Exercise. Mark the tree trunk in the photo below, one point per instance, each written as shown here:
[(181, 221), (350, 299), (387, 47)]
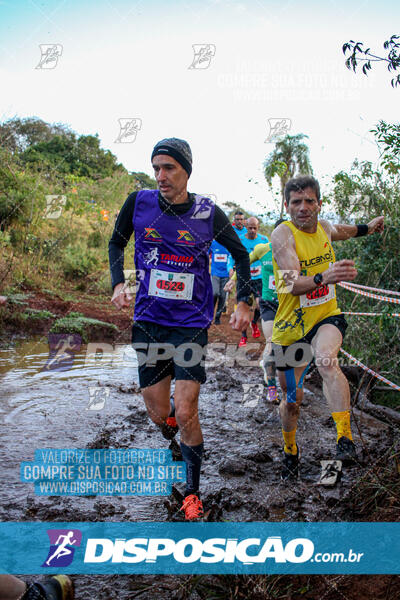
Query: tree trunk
[(384, 413), (283, 183)]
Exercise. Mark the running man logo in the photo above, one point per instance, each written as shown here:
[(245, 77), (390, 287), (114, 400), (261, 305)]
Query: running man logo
[(97, 397), (61, 552), (62, 349), (152, 235), (50, 53), (133, 277), (203, 53), (252, 394), (185, 237), (202, 209), (286, 279), (128, 129), (54, 206), (151, 257), (278, 128)]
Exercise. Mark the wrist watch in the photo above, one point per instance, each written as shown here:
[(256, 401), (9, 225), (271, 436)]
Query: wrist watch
[(318, 279)]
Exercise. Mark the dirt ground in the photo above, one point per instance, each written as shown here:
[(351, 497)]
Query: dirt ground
[(240, 472)]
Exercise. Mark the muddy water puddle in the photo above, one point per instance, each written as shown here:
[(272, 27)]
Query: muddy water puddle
[(241, 470)]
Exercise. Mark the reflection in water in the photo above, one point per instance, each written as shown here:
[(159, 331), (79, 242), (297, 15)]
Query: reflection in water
[(88, 405), (31, 382)]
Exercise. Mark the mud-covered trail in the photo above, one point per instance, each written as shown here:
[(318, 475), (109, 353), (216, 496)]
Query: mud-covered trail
[(241, 467)]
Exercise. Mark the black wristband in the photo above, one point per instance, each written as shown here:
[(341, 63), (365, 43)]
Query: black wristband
[(361, 230), (247, 299)]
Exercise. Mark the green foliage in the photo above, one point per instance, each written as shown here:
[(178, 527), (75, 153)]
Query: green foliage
[(357, 54), (365, 193), (85, 327), (16, 135), (95, 239), (290, 157), (18, 299), (77, 264), (5, 239), (33, 314), (69, 154), (388, 137), (144, 182), (19, 191)]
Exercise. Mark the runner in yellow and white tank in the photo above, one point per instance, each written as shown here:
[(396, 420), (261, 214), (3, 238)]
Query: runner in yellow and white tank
[(309, 323)]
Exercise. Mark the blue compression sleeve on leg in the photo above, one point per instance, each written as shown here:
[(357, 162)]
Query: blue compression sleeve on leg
[(290, 386), (304, 373)]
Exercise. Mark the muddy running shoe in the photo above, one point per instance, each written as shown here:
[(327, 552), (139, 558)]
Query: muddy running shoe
[(193, 508), (272, 393), (170, 428), (255, 331), (59, 587), (346, 451), (290, 467), (243, 341)]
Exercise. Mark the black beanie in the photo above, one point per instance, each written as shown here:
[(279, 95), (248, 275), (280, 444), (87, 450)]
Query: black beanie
[(178, 149)]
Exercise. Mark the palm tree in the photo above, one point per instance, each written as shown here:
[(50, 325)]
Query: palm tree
[(289, 158)]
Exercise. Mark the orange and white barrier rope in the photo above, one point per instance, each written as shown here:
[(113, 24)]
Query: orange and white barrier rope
[(349, 287), (358, 289), (372, 314), (370, 371), (372, 289)]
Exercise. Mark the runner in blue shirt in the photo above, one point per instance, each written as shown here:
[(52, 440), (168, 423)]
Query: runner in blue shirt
[(238, 224), (219, 277), (250, 241)]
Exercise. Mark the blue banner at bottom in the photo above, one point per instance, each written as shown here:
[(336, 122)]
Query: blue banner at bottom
[(186, 548)]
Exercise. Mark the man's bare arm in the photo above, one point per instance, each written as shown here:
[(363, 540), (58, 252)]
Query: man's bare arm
[(289, 278), (345, 232)]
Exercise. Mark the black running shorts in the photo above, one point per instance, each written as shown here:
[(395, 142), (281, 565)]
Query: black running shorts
[(268, 309), (163, 351), (303, 354)]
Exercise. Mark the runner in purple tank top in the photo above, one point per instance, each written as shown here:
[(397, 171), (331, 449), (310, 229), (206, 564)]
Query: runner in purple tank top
[(173, 232)]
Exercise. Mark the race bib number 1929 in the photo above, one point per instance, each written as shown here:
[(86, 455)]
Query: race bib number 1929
[(172, 286)]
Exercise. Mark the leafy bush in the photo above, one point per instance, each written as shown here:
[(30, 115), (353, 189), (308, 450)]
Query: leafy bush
[(365, 193), (77, 264), (85, 327), (95, 240)]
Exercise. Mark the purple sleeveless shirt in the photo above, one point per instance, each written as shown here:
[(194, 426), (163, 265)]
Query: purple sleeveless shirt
[(172, 263)]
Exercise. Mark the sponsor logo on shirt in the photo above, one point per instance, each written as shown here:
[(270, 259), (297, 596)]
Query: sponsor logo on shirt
[(176, 259), (316, 260), (152, 235), (185, 237)]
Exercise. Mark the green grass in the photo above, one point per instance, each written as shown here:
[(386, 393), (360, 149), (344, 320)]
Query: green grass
[(83, 326), (36, 314)]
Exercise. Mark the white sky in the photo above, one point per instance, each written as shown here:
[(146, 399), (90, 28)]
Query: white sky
[(273, 60)]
